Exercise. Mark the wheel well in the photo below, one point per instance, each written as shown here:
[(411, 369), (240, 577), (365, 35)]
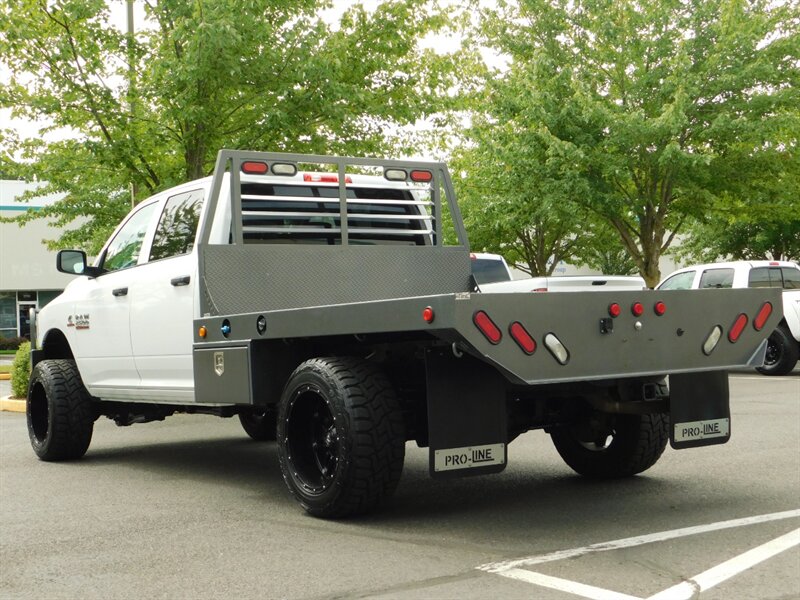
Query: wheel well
[(55, 345)]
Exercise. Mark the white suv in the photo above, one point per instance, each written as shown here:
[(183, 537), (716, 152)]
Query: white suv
[(783, 350)]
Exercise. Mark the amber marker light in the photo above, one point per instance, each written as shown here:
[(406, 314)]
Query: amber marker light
[(202, 332)]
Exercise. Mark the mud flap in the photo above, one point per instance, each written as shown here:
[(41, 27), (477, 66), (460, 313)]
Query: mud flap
[(467, 427), (700, 413)]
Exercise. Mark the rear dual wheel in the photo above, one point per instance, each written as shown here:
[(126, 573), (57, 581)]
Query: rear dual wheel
[(613, 446), (341, 436), (260, 424)]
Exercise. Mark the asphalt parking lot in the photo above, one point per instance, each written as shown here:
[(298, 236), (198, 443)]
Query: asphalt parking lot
[(191, 508)]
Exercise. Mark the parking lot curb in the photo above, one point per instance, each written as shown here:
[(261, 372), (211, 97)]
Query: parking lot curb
[(10, 405), (5, 376)]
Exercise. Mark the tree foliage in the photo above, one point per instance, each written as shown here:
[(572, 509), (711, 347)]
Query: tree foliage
[(148, 112), (650, 113)]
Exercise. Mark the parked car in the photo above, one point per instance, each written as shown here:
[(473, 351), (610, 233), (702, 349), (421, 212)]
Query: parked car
[(783, 350), (492, 274)]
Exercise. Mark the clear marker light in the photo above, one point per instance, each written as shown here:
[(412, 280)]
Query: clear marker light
[(556, 348), (712, 340)]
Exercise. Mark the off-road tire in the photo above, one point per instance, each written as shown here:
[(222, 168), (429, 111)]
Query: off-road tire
[(782, 353), (260, 424), (636, 444), (60, 412), (341, 436)]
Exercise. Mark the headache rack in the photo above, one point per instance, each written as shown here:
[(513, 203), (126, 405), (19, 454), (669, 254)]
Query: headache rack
[(338, 209), (331, 236), (300, 212)]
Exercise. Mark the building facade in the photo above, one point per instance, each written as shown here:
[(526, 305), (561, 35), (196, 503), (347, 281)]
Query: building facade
[(28, 276)]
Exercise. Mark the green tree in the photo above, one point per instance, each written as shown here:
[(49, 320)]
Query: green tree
[(512, 201), (662, 110), (763, 222), (144, 113)]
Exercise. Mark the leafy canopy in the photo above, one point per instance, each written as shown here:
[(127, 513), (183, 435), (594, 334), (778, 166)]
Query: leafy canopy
[(148, 112), (648, 113)]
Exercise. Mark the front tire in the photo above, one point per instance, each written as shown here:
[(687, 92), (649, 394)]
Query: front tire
[(341, 436), (782, 353), (613, 446), (60, 411)]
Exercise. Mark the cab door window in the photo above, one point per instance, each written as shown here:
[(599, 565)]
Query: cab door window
[(716, 279), (765, 277), (123, 251), (679, 281), (177, 226)]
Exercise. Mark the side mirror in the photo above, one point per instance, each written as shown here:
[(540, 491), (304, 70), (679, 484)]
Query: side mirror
[(73, 262)]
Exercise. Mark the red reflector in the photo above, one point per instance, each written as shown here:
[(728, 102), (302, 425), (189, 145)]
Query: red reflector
[(487, 327), (323, 178), (522, 337), (737, 328), (762, 316), (427, 314), (637, 309), (660, 308), (421, 176), (252, 167), (614, 309)]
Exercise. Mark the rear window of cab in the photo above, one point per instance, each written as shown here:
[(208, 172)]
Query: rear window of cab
[(787, 278)]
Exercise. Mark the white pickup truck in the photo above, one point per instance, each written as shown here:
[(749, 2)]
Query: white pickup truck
[(314, 298), (783, 348), (492, 274)]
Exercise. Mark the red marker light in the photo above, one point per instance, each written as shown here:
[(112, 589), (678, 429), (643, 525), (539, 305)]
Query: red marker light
[(614, 310), (763, 314), (487, 327), (325, 178), (252, 167), (421, 176), (660, 308), (737, 328), (637, 308), (524, 340), (427, 314)]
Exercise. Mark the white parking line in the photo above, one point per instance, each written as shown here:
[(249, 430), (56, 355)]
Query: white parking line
[(565, 585), (716, 575), (684, 590)]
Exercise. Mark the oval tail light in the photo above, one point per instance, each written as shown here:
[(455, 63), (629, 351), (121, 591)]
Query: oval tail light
[(523, 339), (737, 328), (763, 315), (487, 327)]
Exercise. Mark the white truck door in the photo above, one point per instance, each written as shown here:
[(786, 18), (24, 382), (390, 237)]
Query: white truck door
[(101, 313), (163, 302)]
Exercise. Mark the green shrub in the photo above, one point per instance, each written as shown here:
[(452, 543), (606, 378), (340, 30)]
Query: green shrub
[(21, 371), (11, 343)]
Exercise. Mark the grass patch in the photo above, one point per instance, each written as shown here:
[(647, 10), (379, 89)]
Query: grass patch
[(5, 368), (7, 352)]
